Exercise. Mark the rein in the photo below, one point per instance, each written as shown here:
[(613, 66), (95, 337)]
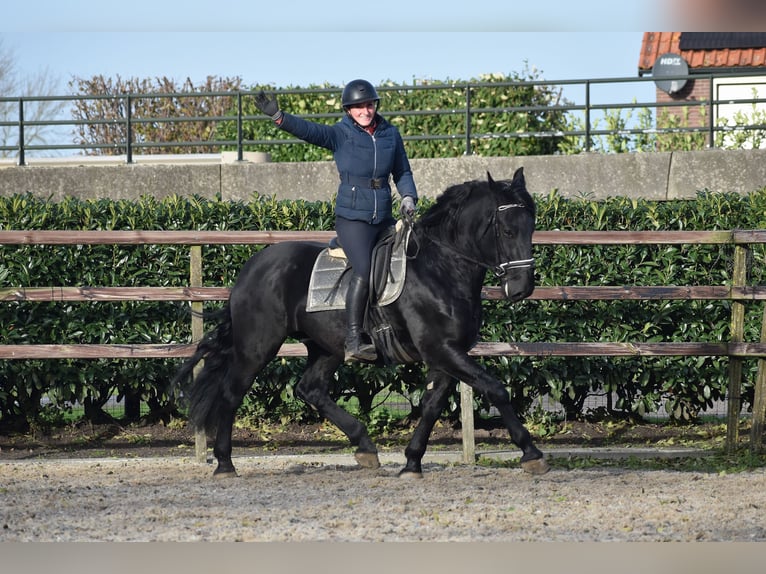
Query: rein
[(500, 269)]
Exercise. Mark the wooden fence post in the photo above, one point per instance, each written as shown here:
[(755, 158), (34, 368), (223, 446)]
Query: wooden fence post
[(466, 421), (197, 329), (759, 402), (734, 404)]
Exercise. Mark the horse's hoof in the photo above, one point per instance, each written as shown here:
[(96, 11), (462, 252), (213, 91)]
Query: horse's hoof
[(537, 466), (409, 474), (367, 459), (225, 473)]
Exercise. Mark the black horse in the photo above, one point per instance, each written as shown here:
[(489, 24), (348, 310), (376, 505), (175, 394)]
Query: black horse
[(471, 228)]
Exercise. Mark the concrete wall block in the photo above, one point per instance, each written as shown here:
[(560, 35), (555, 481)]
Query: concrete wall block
[(310, 181), (115, 182), (740, 171), (655, 176)]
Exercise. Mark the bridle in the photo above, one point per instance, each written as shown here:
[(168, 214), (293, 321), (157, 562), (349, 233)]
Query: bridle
[(500, 269)]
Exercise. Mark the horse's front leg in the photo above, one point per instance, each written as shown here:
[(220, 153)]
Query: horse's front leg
[(467, 370), (433, 403), (532, 460)]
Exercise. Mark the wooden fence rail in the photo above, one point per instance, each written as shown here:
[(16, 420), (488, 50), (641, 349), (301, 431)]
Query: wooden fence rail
[(737, 350)]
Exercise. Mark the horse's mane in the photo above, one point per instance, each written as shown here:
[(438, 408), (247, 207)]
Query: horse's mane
[(448, 204)]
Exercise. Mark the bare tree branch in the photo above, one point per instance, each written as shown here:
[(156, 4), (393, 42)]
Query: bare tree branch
[(41, 84), (102, 121)]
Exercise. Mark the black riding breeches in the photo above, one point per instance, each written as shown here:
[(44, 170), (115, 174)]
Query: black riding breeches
[(358, 238)]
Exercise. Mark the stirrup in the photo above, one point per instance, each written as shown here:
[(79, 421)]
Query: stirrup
[(362, 352)]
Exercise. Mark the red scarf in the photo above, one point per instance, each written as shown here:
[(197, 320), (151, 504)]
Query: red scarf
[(371, 128)]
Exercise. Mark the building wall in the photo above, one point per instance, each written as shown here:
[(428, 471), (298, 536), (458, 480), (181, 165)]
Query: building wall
[(724, 89), (689, 116)]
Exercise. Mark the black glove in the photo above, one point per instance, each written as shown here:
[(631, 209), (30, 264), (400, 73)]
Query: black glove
[(407, 208), (268, 106)]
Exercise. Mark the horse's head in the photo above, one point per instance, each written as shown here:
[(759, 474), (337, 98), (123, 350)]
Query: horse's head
[(489, 224), (510, 229)]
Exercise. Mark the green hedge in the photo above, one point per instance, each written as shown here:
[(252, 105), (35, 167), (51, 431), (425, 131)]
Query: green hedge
[(35, 391)]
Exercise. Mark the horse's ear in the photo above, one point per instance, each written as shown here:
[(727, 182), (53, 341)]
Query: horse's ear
[(489, 178), (518, 176)]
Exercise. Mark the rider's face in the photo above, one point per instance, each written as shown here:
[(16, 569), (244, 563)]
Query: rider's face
[(364, 113)]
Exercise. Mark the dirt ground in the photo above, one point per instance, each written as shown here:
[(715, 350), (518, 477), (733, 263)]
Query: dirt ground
[(301, 484)]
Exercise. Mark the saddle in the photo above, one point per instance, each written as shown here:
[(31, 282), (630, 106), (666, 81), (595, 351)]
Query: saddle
[(329, 278)]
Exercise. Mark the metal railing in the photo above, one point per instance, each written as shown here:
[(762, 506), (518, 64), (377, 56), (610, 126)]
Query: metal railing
[(583, 118)]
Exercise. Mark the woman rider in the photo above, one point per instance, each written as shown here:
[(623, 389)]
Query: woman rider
[(368, 153)]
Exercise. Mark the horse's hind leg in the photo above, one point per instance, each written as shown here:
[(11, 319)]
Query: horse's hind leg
[(313, 388), (240, 376), (433, 403)]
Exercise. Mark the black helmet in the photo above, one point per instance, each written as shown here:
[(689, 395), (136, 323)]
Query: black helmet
[(359, 92)]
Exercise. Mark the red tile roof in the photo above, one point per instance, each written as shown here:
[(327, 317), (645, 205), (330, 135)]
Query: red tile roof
[(655, 44)]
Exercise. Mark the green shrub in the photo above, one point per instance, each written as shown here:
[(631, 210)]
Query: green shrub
[(494, 110), (684, 387)]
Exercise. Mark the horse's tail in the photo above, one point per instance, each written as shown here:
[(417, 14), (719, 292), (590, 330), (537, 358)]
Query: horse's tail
[(203, 395)]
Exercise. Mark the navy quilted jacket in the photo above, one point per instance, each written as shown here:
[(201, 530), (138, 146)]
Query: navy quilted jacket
[(365, 163)]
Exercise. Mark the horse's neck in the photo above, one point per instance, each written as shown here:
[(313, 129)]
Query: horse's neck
[(464, 278)]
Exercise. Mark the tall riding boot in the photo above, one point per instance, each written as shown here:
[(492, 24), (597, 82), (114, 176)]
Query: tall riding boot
[(356, 303)]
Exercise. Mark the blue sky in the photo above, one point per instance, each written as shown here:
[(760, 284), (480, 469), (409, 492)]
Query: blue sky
[(305, 58), (298, 43), (330, 15)]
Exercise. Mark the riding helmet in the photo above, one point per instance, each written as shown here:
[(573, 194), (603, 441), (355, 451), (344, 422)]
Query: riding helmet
[(359, 92)]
